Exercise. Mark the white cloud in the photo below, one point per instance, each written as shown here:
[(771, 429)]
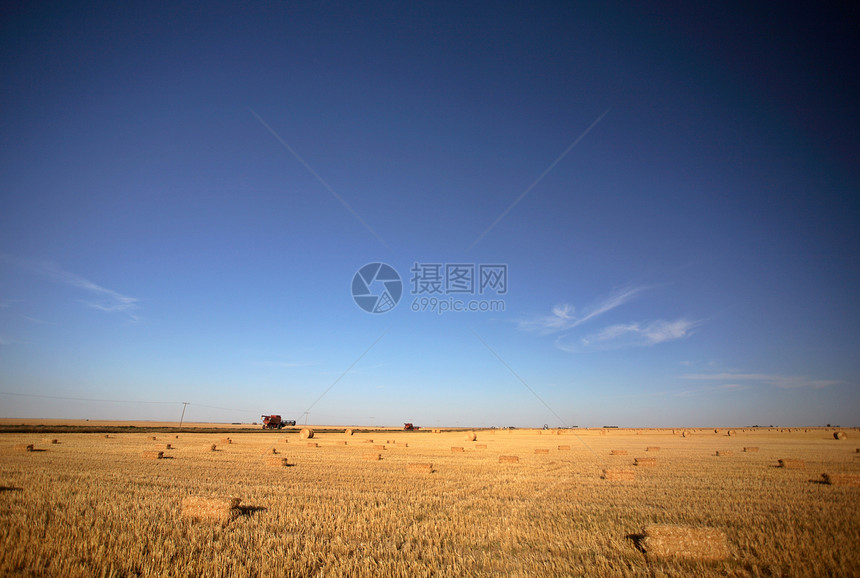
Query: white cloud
[(101, 298), (630, 335), (563, 316), (774, 380)]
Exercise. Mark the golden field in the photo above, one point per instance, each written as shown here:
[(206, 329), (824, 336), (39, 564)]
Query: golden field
[(96, 506)]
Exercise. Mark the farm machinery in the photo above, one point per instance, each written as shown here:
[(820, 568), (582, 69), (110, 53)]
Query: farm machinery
[(410, 427), (275, 422)]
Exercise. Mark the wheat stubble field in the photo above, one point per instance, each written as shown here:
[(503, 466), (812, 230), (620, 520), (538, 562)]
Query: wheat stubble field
[(394, 503)]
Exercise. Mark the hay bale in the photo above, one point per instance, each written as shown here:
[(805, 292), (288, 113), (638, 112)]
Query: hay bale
[(841, 479), (685, 434), (368, 441), (153, 455), (313, 445), (379, 447), (685, 542), (168, 447), (645, 461), (652, 449), (839, 435), (456, 449), (724, 453), (213, 448), (372, 457), (731, 432), (422, 468), (618, 452), (471, 436), (541, 451), (480, 446), (306, 433), (563, 448), (25, 448), (50, 441), (204, 509), (347, 432), (154, 438), (226, 441), (277, 462), (340, 443), (107, 436), (750, 449), (792, 464), (612, 474), (509, 459)]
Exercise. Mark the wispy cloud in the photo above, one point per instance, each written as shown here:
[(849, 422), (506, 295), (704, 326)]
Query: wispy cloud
[(565, 317), (630, 335), (774, 380), (100, 298)]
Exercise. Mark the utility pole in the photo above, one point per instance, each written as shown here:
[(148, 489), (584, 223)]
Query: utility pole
[(184, 405)]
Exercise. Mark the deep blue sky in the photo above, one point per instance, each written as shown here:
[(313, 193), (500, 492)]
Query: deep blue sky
[(187, 195)]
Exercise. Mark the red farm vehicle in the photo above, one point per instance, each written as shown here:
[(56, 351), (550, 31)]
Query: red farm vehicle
[(275, 422), (410, 427)]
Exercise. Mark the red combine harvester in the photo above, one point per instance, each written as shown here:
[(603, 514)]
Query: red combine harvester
[(275, 422), (410, 427)]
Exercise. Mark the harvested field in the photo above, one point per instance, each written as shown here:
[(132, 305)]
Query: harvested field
[(90, 507), (792, 464)]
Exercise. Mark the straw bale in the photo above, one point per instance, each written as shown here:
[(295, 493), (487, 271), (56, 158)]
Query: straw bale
[(210, 509), (50, 441), (313, 445), (564, 448), (724, 453), (347, 432), (652, 449), (379, 447), (618, 452), (471, 436), (644, 461), (480, 446), (277, 462), (168, 447), (372, 457), (306, 433), (792, 464), (541, 451), (751, 449), (226, 441), (731, 432), (839, 435), (340, 443), (841, 479), (613, 474), (423, 468), (685, 542), (213, 447), (509, 459), (25, 448), (153, 455), (456, 449)]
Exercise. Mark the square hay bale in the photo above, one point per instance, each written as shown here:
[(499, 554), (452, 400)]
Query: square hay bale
[(226, 441), (665, 541), (652, 449), (723, 453), (154, 438), (25, 448), (644, 461), (153, 455), (792, 464), (612, 474), (618, 452), (372, 457), (213, 448), (379, 447), (841, 479), (541, 451), (509, 459), (368, 441), (422, 468), (457, 449), (313, 445), (750, 449), (204, 509), (277, 462), (50, 441), (564, 448), (168, 447), (340, 443)]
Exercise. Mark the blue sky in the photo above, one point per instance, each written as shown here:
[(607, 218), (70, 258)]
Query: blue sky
[(187, 195)]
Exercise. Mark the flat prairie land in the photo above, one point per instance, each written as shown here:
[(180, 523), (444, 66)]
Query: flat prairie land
[(395, 503)]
